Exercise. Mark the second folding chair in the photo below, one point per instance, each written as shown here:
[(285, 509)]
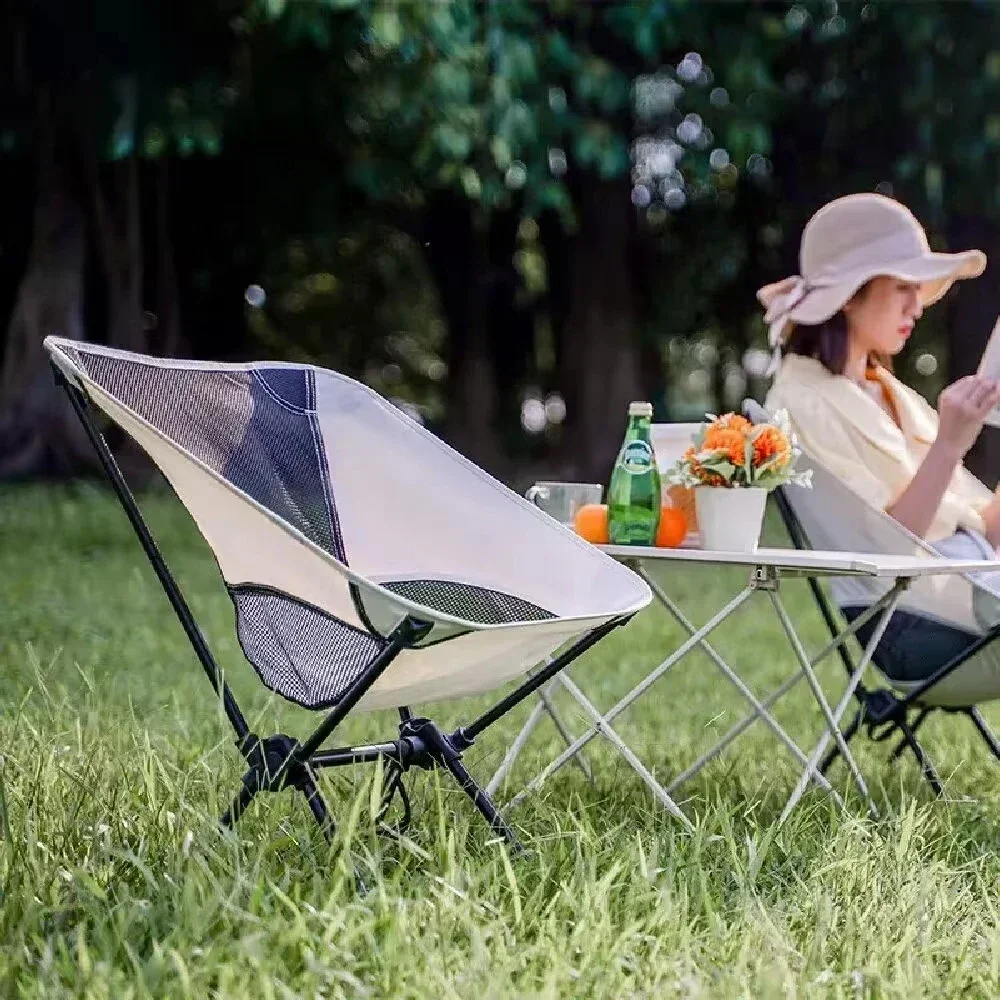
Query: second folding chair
[(959, 614)]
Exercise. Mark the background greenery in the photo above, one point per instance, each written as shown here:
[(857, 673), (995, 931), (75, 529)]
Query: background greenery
[(512, 217)]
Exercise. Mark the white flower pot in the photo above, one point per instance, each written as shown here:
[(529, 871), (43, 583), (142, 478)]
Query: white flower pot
[(730, 520)]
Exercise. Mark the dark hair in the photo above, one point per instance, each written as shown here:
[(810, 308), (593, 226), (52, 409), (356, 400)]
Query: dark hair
[(827, 341)]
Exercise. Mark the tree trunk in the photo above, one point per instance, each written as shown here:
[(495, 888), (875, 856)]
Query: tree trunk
[(118, 223), (510, 325), (557, 245), (457, 258), (974, 309), (599, 357), (170, 342), (39, 433)]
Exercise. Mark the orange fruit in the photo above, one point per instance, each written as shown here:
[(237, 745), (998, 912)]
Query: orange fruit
[(591, 523), (673, 528), (682, 498)]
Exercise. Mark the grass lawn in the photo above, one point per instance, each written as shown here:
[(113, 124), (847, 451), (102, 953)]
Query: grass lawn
[(116, 881)]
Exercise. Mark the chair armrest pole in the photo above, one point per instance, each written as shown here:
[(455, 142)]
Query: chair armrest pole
[(405, 634)]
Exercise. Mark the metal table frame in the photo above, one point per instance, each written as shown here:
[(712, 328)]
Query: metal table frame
[(767, 569)]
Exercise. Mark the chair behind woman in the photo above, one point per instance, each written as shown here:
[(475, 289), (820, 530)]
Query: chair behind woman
[(954, 617)]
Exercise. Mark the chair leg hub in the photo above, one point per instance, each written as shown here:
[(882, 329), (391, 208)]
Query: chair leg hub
[(430, 747), (273, 767)]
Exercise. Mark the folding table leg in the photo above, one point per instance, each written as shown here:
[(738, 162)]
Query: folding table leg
[(637, 765), (734, 678), (849, 734), (544, 704), (546, 698), (736, 731), (889, 603), (833, 722), (769, 702), (651, 678), (516, 747)]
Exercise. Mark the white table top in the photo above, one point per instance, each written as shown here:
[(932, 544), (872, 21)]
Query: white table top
[(809, 562)]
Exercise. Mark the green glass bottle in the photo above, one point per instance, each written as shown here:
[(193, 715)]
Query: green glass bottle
[(634, 491)]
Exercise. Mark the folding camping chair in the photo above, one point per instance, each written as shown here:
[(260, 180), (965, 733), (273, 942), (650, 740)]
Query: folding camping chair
[(831, 516), (370, 566)]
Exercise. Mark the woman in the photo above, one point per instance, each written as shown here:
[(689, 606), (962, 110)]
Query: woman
[(867, 275)]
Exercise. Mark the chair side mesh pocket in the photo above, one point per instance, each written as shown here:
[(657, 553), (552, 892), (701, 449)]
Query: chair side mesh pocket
[(302, 653)]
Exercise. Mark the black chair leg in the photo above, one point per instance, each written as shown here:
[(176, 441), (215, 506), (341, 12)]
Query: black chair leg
[(251, 786), (481, 800), (317, 804), (985, 731), (927, 768), (902, 746), (849, 733)]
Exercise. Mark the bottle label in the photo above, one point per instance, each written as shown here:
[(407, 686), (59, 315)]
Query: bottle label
[(637, 457)]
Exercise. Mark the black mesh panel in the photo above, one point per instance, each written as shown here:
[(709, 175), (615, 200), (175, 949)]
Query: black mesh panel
[(299, 651), (280, 463), (204, 411), (473, 604), (257, 429)]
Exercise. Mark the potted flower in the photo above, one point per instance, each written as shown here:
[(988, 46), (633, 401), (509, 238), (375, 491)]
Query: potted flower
[(732, 465)]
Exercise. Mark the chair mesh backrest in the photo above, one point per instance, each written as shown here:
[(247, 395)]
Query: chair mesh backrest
[(835, 518), (393, 513), (256, 428)]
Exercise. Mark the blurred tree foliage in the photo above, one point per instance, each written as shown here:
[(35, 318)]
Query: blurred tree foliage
[(501, 213), (97, 98)]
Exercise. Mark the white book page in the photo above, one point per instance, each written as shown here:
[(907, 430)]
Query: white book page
[(989, 365)]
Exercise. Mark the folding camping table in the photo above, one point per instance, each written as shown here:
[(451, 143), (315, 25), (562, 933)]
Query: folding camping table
[(768, 567)]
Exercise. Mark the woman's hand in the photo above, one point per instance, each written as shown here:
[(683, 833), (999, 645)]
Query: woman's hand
[(962, 408)]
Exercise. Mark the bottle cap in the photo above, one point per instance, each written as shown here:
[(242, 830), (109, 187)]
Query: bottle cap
[(640, 409)]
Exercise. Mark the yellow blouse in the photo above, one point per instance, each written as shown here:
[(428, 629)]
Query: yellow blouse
[(847, 430)]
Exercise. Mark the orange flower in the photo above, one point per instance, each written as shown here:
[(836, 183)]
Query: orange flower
[(771, 442), (708, 478), (734, 421), (727, 439)]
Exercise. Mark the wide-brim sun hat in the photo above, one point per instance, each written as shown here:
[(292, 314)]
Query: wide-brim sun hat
[(848, 242)]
